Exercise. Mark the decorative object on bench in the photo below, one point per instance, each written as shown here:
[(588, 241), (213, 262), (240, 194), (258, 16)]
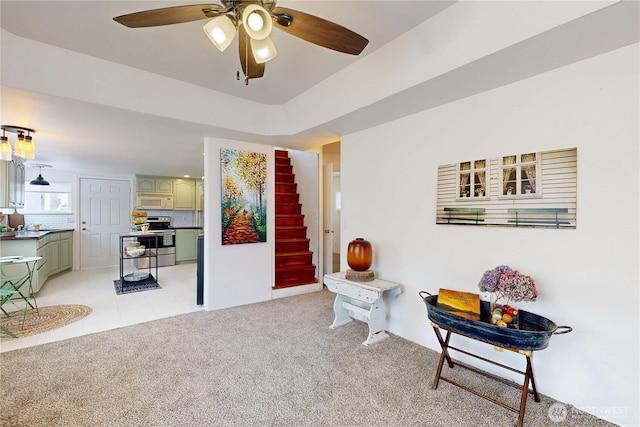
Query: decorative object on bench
[(534, 335), (504, 282), (465, 304), (359, 258)]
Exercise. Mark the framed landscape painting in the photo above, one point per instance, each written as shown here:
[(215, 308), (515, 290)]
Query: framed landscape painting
[(244, 200)]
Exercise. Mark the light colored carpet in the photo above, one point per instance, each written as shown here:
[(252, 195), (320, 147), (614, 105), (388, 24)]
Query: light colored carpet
[(270, 364), (42, 320)]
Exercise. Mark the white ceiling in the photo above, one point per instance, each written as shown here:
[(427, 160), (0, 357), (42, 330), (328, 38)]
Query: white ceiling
[(183, 52), (77, 135)]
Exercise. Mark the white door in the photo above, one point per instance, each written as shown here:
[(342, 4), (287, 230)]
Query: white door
[(105, 211), (328, 204)]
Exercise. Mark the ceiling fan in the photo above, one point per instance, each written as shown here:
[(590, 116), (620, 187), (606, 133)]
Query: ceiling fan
[(253, 20)]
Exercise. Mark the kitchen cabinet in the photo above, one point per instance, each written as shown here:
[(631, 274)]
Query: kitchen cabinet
[(42, 267), (184, 194), (55, 248), (200, 195), (66, 254), (53, 256), (12, 183), (154, 184), (186, 245)]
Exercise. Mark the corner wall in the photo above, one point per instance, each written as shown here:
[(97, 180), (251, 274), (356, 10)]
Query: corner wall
[(234, 274), (587, 278)]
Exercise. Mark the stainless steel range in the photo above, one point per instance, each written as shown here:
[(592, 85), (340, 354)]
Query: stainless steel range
[(166, 240)]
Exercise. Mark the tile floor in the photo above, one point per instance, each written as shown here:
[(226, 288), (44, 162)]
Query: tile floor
[(94, 288)]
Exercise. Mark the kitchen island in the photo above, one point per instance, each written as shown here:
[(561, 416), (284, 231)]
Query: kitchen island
[(54, 246)]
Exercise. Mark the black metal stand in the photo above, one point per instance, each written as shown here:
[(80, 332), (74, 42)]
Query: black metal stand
[(149, 254), (528, 374)]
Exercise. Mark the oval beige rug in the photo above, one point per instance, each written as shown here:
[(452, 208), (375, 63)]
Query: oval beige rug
[(42, 320)]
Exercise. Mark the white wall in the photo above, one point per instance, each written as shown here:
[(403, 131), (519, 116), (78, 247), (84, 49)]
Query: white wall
[(234, 274), (587, 278), (244, 274)]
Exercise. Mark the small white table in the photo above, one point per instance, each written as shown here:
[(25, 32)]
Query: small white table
[(371, 302)]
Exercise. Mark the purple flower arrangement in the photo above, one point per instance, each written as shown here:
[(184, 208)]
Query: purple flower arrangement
[(508, 283), (491, 278)]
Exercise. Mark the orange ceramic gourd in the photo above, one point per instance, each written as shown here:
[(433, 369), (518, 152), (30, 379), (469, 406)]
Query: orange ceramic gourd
[(359, 254)]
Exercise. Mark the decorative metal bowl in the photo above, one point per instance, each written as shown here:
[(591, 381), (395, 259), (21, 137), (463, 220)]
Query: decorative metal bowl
[(533, 334)]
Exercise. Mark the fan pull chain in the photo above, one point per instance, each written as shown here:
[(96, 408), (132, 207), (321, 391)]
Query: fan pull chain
[(246, 58)]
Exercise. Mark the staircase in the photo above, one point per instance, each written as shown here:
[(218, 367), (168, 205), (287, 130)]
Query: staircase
[(293, 257)]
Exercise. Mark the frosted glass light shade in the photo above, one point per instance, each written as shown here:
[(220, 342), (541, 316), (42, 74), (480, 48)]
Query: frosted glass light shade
[(5, 149), (263, 50), (220, 31), (19, 145), (257, 22), (28, 148)]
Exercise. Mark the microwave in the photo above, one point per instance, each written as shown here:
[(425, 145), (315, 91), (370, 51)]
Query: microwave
[(155, 201)]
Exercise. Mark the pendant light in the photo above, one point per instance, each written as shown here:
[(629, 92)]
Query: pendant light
[(40, 180)]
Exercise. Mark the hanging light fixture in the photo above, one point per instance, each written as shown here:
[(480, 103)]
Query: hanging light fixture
[(40, 180), (23, 147)]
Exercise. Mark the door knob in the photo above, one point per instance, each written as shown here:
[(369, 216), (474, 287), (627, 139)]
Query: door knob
[(83, 229)]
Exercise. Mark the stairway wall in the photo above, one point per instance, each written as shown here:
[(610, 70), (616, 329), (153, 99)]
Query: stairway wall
[(293, 257)]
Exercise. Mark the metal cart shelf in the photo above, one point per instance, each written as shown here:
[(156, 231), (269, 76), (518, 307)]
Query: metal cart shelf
[(141, 273)]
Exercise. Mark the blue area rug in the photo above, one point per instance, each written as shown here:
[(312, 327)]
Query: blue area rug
[(138, 286)]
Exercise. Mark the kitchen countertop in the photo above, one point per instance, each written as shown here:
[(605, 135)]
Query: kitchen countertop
[(186, 228), (25, 235)]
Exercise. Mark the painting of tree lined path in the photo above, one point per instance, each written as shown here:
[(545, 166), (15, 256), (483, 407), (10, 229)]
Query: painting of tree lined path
[(244, 201)]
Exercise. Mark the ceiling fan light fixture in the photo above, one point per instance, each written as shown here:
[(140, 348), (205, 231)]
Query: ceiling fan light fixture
[(220, 31), (263, 50), (257, 22)]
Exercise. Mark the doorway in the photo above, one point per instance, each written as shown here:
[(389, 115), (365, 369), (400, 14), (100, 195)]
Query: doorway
[(332, 204), (105, 207)]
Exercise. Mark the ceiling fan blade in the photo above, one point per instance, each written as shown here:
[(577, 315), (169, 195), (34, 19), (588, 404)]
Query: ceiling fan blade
[(319, 31), (170, 15), (250, 67)]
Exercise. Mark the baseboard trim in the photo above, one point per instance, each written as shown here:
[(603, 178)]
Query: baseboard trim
[(295, 290)]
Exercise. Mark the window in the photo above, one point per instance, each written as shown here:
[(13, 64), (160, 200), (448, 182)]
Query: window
[(54, 198), (472, 179), (518, 175)]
